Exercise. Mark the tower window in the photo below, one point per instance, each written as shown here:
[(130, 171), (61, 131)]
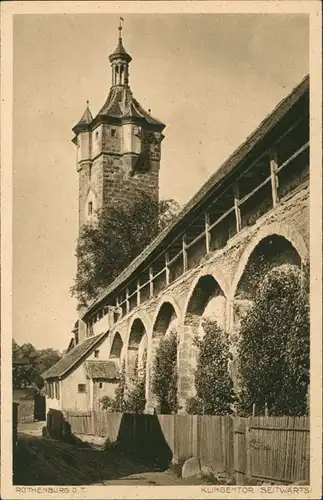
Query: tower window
[(101, 385), (97, 134), (90, 208), (96, 353), (113, 132), (81, 388)]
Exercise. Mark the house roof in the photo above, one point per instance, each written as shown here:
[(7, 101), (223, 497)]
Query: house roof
[(102, 369), (72, 357), (266, 126)]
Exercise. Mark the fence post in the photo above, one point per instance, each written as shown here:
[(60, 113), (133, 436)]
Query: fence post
[(173, 435), (195, 436), (93, 426), (224, 442), (248, 448), (239, 450)]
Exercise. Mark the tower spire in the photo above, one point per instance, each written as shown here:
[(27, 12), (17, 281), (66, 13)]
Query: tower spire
[(120, 60), (121, 20)]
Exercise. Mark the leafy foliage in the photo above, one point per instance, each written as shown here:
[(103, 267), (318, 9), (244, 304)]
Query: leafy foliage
[(135, 400), (29, 363), (120, 390), (132, 400), (195, 406), (213, 384), (164, 379), (274, 345), (116, 404), (115, 236)]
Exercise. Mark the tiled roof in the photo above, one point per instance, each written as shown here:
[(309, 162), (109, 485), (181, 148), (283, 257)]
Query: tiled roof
[(220, 174), (121, 104), (69, 360), (102, 369), (120, 52), (86, 119)]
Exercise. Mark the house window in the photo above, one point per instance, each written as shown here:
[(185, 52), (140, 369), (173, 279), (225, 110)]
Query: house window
[(57, 393), (90, 208), (96, 353), (81, 388), (100, 385), (113, 132), (50, 390)]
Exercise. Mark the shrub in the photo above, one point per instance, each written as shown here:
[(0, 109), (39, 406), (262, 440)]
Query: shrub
[(214, 388), (164, 378), (135, 401), (274, 345), (107, 404), (136, 398), (118, 404), (195, 406)]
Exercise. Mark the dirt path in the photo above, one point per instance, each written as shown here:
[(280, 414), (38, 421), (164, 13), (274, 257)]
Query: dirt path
[(44, 461), (165, 478)]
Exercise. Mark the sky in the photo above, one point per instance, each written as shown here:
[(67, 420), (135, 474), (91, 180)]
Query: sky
[(210, 78)]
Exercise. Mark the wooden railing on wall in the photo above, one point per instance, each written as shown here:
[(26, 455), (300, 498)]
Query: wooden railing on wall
[(271, 181)]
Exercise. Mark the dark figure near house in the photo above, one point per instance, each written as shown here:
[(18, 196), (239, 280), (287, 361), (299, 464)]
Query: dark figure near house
[(39, 406)]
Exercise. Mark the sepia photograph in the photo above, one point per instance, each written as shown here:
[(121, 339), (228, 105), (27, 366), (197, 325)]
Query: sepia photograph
[(161, 247)]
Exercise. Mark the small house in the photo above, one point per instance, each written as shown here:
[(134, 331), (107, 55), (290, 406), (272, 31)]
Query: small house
[(79, 380)]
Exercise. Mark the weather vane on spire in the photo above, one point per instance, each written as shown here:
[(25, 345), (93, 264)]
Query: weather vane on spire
[(120, 26)]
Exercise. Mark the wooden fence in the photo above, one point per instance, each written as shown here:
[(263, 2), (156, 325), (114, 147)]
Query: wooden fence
[(15, 408), (263, 448)]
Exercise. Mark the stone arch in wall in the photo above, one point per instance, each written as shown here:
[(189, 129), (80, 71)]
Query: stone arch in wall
[(206, 299), (116, 348), (286, 232), (136, 350), (165, 322), (267, 251)]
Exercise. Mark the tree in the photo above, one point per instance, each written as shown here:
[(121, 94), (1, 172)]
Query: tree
[(115, 236), (164, 379), (132, 400), (118, 404), (214, 388), (29, 363), (135, 400), (274, 345)]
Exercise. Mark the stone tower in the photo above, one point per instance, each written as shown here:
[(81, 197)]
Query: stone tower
[(118, 151)]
